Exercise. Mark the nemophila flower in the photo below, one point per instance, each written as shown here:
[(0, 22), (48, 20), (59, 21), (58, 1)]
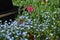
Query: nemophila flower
[(26, 39), (30, 22), (27, 17), (29, 8), (24, 33), (47, 38), (0, 21), (28, 26), (6, 21), (9, 33), (10, 20), (7, 36), (1, 35), (10, 39), (14, 23), (21, 17), (23, 24)]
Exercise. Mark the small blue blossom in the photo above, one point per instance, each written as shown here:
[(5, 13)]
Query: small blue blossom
[(1, 35), (24, 33), (14, 23), (21, 17), (22, 25)]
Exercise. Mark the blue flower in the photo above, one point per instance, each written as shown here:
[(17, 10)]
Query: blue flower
[(1, 35), (24, 33), (14, 23), (22, 25)]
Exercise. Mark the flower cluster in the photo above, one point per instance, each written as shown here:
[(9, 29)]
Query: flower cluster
[(38, 22)]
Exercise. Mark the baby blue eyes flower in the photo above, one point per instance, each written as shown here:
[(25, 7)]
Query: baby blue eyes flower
[(6, 21), (2, 30), (8, 37), (26, 39), (10, 20), (21, 38), (14, 23), (24, 33), (1, 35), (21, 17), (0, 21), (9, 33), (23, 24), (31, 22)]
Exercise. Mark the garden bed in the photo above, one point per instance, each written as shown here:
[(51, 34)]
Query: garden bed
[(38, 21)]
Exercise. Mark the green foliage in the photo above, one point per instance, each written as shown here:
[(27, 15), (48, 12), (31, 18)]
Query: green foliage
[(46, 14), (45, 19)]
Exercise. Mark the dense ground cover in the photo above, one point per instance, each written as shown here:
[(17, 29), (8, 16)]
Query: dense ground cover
[(35, 18)]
